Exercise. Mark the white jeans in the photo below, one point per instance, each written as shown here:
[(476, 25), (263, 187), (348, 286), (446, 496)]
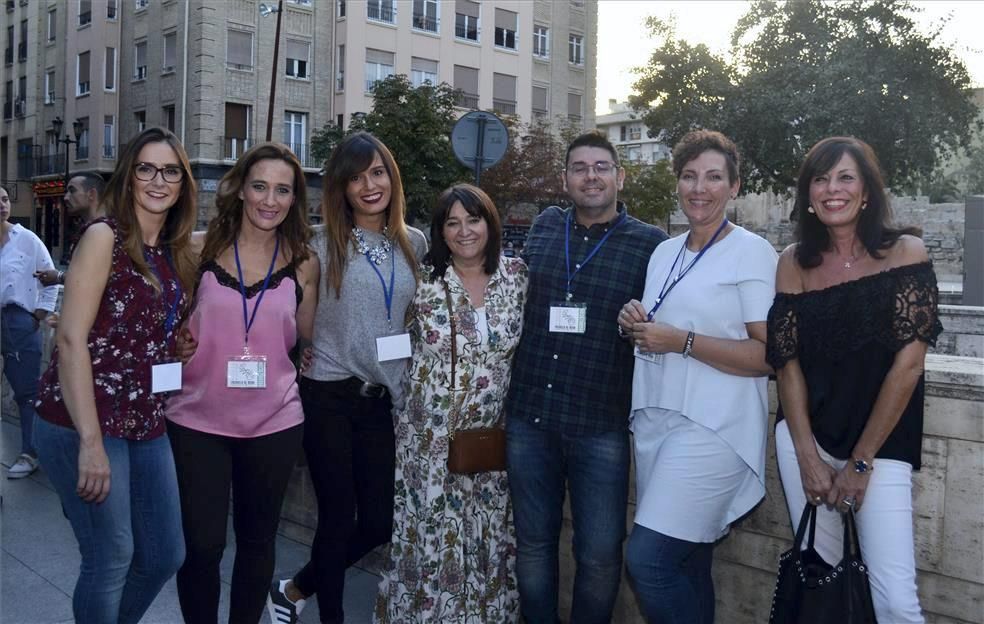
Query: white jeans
[(884, 529)]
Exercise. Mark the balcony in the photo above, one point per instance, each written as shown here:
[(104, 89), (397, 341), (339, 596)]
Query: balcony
[(20, 107), (504, 107), (234, 147), (381, 12), (467, 100), (82, 151), (50, 164), (425, 22), (303, 153), (108, 151)]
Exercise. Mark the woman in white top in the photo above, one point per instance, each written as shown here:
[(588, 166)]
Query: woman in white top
[(699, 402)]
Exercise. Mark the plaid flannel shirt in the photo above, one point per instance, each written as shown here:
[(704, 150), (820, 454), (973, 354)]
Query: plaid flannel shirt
[(579, 383)]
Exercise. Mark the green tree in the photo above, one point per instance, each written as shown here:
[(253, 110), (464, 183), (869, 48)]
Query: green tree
[(530, 170), (649, 191), (415, 124), (807, 69)]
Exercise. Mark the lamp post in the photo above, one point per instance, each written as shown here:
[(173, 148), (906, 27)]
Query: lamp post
[(77, 128), (266, 10)]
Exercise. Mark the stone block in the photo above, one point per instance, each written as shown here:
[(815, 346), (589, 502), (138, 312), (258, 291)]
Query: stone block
[(963, 536), (948, 597), (743, 595), (954, 418), (928, 499)]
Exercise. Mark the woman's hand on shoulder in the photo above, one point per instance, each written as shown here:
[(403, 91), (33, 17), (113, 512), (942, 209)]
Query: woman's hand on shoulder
[(908, 249), (789, 276), (197, 244)]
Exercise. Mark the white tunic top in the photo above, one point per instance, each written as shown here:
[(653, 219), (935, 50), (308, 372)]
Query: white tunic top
[(732, 284)]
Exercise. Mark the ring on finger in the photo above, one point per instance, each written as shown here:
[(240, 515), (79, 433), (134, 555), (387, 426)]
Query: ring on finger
[(849, 501), (817, 499)]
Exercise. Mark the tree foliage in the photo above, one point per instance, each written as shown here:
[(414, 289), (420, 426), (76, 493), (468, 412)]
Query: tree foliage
[(415, 124), (649, 191), (807, 69)]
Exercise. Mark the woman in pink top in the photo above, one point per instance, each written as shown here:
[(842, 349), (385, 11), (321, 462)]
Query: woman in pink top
[(238, 420)]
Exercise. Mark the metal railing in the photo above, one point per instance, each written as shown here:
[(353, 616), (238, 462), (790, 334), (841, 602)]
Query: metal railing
[(303, 153), (466, 100), (49, 164), (81, 151), (381, 12), (425, 22), (234, 147)]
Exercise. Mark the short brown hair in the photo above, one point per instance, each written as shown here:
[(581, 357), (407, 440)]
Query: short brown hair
[(476, 203), (696, 142)]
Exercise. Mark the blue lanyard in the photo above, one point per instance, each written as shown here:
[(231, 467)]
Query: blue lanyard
[(567, 249), (387, 293), (172, 308), (242, 287), (665, 290)]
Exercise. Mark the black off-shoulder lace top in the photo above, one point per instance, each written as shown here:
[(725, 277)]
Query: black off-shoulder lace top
[(846, 337)]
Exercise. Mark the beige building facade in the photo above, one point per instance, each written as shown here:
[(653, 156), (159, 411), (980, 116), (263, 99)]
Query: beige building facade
[(627, 132)]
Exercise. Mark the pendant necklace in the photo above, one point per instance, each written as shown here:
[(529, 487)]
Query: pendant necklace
[(375, 253), (853, 259)]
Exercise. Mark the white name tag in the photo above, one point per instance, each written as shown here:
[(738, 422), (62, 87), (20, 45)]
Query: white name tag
[(568, 318), (246, 371), (395, 347), (655, 358), (165, 377)]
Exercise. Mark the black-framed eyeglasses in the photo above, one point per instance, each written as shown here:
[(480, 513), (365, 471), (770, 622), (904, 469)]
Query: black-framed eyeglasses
[(602, 167), (145, 172)]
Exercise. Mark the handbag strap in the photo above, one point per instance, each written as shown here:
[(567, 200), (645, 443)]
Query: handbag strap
[(852, 545), (453, 416), (807, 520)]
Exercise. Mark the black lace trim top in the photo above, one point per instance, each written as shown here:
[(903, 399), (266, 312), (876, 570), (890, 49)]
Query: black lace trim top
[(223, 277), (846, 337)]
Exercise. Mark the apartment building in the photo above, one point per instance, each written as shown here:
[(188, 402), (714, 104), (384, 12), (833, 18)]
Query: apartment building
[(630, 136), (106, 69)]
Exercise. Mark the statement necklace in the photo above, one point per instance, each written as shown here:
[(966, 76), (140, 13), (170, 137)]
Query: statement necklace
[(376, 253)]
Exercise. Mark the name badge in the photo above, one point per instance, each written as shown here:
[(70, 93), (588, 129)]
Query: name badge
[(165, 377), (568, 317), (395, 347), (246, 371), (654, 358)]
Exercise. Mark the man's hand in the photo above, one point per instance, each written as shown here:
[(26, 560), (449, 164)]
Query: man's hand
[(39, 316), (49, 277), (185, 345)]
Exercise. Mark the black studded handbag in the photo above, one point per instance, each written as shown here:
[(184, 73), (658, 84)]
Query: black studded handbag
[(811, 591)]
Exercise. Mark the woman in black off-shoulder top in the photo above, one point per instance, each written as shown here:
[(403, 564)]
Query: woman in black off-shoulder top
[(855, 311)]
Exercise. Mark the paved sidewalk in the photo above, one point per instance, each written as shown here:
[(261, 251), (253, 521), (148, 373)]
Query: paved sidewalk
[(40, 558)]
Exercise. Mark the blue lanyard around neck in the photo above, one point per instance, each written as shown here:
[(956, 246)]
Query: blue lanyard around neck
[(567, 248), (387, 292), (667, 285), (248, 321), (172, 309)]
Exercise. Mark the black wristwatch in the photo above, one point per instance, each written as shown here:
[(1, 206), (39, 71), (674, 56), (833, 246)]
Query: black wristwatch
[(862, 467)]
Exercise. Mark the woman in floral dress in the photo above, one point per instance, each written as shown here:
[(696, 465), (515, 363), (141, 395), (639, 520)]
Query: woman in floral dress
[(453, 552)]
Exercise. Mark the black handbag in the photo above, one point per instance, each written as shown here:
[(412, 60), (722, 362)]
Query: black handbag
[(811, 591)]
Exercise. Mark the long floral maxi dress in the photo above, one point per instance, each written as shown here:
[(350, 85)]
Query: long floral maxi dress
[(453, 552)]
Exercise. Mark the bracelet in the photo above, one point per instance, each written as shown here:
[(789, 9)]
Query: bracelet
[(61, 277), (689, 346), (621, 332)]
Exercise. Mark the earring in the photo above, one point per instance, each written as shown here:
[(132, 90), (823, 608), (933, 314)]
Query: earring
[(810, 210), (864, 205)]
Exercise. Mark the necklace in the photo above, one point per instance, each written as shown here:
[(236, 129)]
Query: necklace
[(853, 259), (376, 253)]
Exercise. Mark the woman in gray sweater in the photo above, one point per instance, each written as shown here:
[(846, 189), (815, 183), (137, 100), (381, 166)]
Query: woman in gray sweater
[(361, 348)]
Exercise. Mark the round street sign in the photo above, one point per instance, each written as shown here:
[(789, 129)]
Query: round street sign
[(479, 140)]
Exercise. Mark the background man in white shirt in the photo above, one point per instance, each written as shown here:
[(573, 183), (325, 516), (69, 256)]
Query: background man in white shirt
[(23, 305)]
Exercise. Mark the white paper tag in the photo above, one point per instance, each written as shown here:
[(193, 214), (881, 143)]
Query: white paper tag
[(568, 318), (246, 371), (165, 377), (655, 358), (395, 347)]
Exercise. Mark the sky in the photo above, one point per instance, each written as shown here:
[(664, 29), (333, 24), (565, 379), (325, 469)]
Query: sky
[(624, 43)]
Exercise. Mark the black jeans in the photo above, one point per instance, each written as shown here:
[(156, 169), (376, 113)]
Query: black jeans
[(351, 453), (258, 470)]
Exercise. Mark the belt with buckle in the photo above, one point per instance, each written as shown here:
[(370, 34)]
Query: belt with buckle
[(364, 389)]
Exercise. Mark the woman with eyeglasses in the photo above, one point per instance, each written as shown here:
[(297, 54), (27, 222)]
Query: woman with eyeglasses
[(237, 424), (101, 436), (452, 557), (368, 256), (699, 400)]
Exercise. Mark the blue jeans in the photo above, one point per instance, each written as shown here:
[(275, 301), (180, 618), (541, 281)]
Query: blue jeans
[(131, 543), (672, 577), (596, 469), (20, 341)]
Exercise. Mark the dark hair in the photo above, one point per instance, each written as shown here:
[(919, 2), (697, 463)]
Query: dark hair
[(874, 228), (594, 138), (696, 142), (349, 158), (90, 180), (477, 204), (224, 228), (181, 217)]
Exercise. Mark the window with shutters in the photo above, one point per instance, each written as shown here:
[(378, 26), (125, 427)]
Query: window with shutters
[(82, 74), (574, 106), (466, 15), (52, 24), (238, 118), (167, 113), (109, 70), (298, 53), (541, 41), (505, 29), (82, 147), (466, 81), (379, 66), (170, 52), (295, 134), (239, 50), (140, 120), (340, 64), (540, 107), (140, 60), (109, 136), (422, 71), (504, 94)]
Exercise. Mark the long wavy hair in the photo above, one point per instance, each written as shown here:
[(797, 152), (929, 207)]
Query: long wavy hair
[(294, 231), (349, 158), (119, 202), (875, 228), (476, 203)]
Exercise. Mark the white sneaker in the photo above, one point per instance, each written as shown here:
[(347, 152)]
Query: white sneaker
[(282, 609), (23, 467)]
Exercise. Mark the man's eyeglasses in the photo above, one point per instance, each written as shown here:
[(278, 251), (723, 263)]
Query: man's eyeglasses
[(146, 172), (602, 167)]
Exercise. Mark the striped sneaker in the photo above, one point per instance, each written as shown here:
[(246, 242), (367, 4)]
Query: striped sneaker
[(281, 609)]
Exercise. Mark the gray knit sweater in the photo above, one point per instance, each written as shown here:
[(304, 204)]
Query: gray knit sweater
[(346, 327)]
